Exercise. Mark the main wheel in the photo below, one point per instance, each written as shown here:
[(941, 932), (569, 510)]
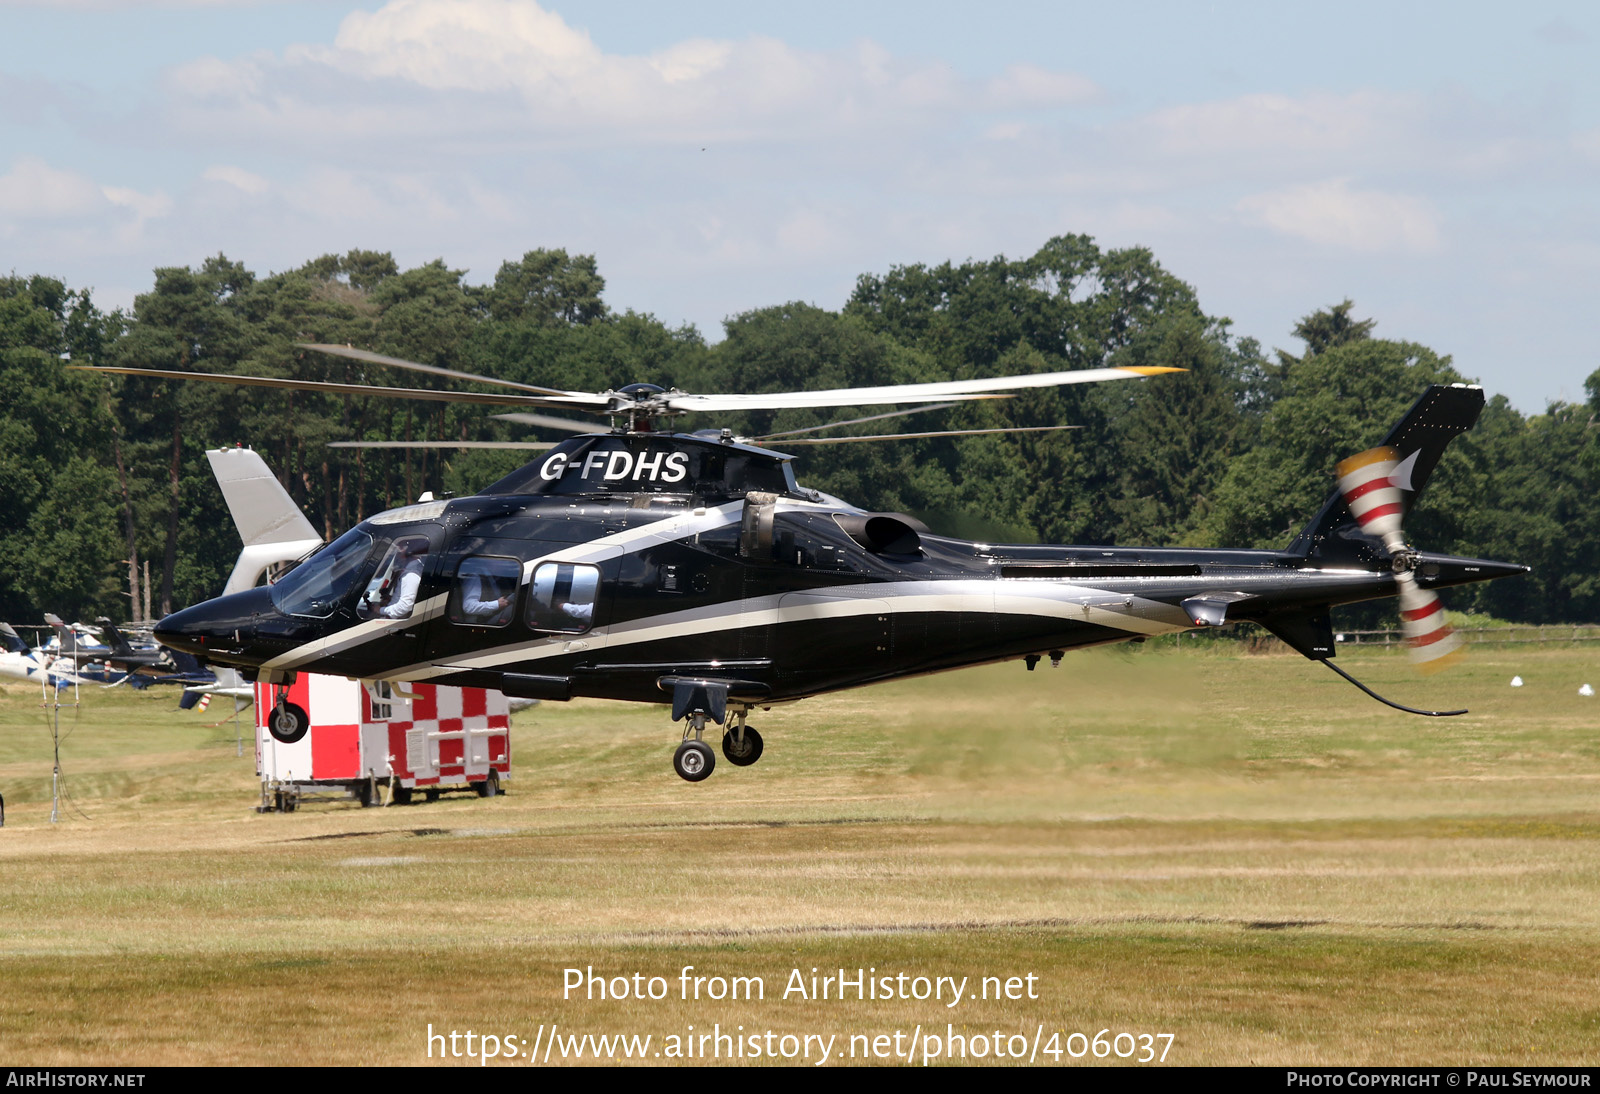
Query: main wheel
[(288, 723), (490, 786), (694, 761), (742, 757)]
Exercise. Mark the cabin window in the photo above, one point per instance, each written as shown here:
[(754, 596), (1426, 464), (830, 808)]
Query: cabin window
[(485, 591), (328, 578), (562, 597)]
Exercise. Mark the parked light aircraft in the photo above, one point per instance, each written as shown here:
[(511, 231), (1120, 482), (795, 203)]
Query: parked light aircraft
[(19, 661), (694, 570)]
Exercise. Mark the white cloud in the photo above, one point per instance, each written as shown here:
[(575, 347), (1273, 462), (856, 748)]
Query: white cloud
[(509, 72), (1023, 85), (35, 189), (143, 206), (237, 177), (1282, 125), (1334, 214)]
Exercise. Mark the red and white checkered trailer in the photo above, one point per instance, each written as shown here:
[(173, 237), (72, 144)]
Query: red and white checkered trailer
[(378, 742)]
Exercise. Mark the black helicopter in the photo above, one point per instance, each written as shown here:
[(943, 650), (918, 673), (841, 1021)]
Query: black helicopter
[(693, 569)]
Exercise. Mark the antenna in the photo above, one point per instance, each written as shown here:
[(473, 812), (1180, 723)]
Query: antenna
[(50, 689)]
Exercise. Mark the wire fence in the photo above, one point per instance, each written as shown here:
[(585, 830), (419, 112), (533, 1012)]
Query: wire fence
[(1542, 634)]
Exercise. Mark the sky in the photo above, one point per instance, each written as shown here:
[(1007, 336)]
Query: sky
[(1437, 163)]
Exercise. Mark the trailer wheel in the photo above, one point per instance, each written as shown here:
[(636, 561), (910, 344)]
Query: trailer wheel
[(490, 786), (365, 793), (431, 794), (402, 795), (288, 723)]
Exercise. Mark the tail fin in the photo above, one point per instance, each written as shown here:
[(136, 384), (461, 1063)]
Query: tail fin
[(114, 639), (11, 640), (66, 637), (270, 523), (1434, 420)]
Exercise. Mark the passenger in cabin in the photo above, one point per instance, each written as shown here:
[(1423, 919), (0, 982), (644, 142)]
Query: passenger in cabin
[(487, 597)]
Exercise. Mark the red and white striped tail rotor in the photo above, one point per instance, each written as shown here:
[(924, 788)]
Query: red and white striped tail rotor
[(1374, 499), (1378, 506)]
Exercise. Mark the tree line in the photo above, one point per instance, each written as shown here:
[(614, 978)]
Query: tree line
[(103, 480)]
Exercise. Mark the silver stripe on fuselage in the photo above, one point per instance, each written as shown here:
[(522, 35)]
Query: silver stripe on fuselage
[(358, 635), (988, 596)]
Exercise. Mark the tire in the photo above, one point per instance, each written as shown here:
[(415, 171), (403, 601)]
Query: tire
[(401, 795), (490, 786), (694, 761), (752, 748), (431, 794), (288, 723)]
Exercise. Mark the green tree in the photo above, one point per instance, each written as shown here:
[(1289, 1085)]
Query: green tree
[(550, 288), (58, 551)]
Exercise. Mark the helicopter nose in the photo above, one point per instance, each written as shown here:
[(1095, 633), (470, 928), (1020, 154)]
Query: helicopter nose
[(216, 626), (188, 630)]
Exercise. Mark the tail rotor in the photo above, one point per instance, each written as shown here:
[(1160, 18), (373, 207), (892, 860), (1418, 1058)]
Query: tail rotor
[(1368, 483)]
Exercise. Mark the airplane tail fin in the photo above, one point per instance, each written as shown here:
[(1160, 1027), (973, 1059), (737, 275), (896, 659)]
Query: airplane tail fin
[(1434, 420), (66, 637), (114, 638), (11, 640)]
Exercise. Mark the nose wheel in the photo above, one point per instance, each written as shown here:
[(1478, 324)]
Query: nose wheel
[(288, 722), (694, 761)]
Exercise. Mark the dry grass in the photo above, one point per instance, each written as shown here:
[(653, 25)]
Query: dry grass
[(1240, 851)]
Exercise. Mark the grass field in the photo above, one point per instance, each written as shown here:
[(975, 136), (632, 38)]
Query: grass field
[(1239, 851)]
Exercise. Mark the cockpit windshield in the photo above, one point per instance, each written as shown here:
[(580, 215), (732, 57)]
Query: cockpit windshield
[(318, 586)]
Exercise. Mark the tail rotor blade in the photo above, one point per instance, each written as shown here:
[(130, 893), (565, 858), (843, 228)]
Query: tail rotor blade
[(1374, 499), (1432, 643)]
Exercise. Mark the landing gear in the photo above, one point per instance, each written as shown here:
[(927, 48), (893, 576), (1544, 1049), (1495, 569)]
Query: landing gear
[(742, 745), (288, 723), (694, 761)]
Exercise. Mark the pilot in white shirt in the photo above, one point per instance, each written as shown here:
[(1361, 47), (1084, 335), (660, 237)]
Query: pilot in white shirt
[(408, 565)]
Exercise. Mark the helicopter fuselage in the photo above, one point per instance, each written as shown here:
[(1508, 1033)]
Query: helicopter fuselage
[(620, 565)]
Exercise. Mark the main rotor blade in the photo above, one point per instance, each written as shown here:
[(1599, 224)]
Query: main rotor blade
[(537, 446), (550, 421), (945, 391), (400, 362), (595, 403), (910, 436), (833, 425)]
